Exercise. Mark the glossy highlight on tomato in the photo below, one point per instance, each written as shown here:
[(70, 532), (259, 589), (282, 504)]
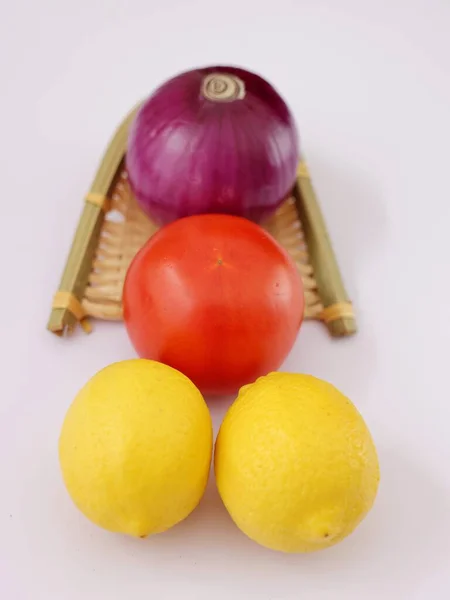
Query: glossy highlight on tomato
[(216, 297)]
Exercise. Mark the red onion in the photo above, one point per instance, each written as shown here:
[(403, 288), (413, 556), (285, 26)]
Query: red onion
[(212, 140)]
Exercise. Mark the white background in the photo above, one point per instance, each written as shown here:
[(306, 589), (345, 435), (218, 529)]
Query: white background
[(369, 83)]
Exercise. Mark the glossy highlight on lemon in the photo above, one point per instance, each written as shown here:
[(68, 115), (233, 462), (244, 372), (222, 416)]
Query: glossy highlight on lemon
[(295, 463), (135, 448)]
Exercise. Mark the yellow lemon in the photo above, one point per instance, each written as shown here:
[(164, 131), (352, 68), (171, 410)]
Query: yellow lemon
[(295, 464), (135, 447)]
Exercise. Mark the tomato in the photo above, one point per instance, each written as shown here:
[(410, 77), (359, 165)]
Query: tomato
[(215, 297)]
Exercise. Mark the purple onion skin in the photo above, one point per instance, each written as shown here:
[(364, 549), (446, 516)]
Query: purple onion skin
[(188, 154)]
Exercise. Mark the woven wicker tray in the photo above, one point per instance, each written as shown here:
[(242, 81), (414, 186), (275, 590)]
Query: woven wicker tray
[(112, 229)]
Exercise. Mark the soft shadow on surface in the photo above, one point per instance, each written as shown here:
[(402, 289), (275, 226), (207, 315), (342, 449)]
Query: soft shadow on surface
[(355, 214), (209, 525), (348, 363), (398, 547), (405, 534), (356, 219), (218, 406)]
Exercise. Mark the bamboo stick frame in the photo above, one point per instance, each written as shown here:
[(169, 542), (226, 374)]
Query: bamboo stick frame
[(76, 272), (71, 307), (338, 311)]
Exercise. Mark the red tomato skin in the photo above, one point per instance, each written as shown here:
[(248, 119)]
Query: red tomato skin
[(216, 297)]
